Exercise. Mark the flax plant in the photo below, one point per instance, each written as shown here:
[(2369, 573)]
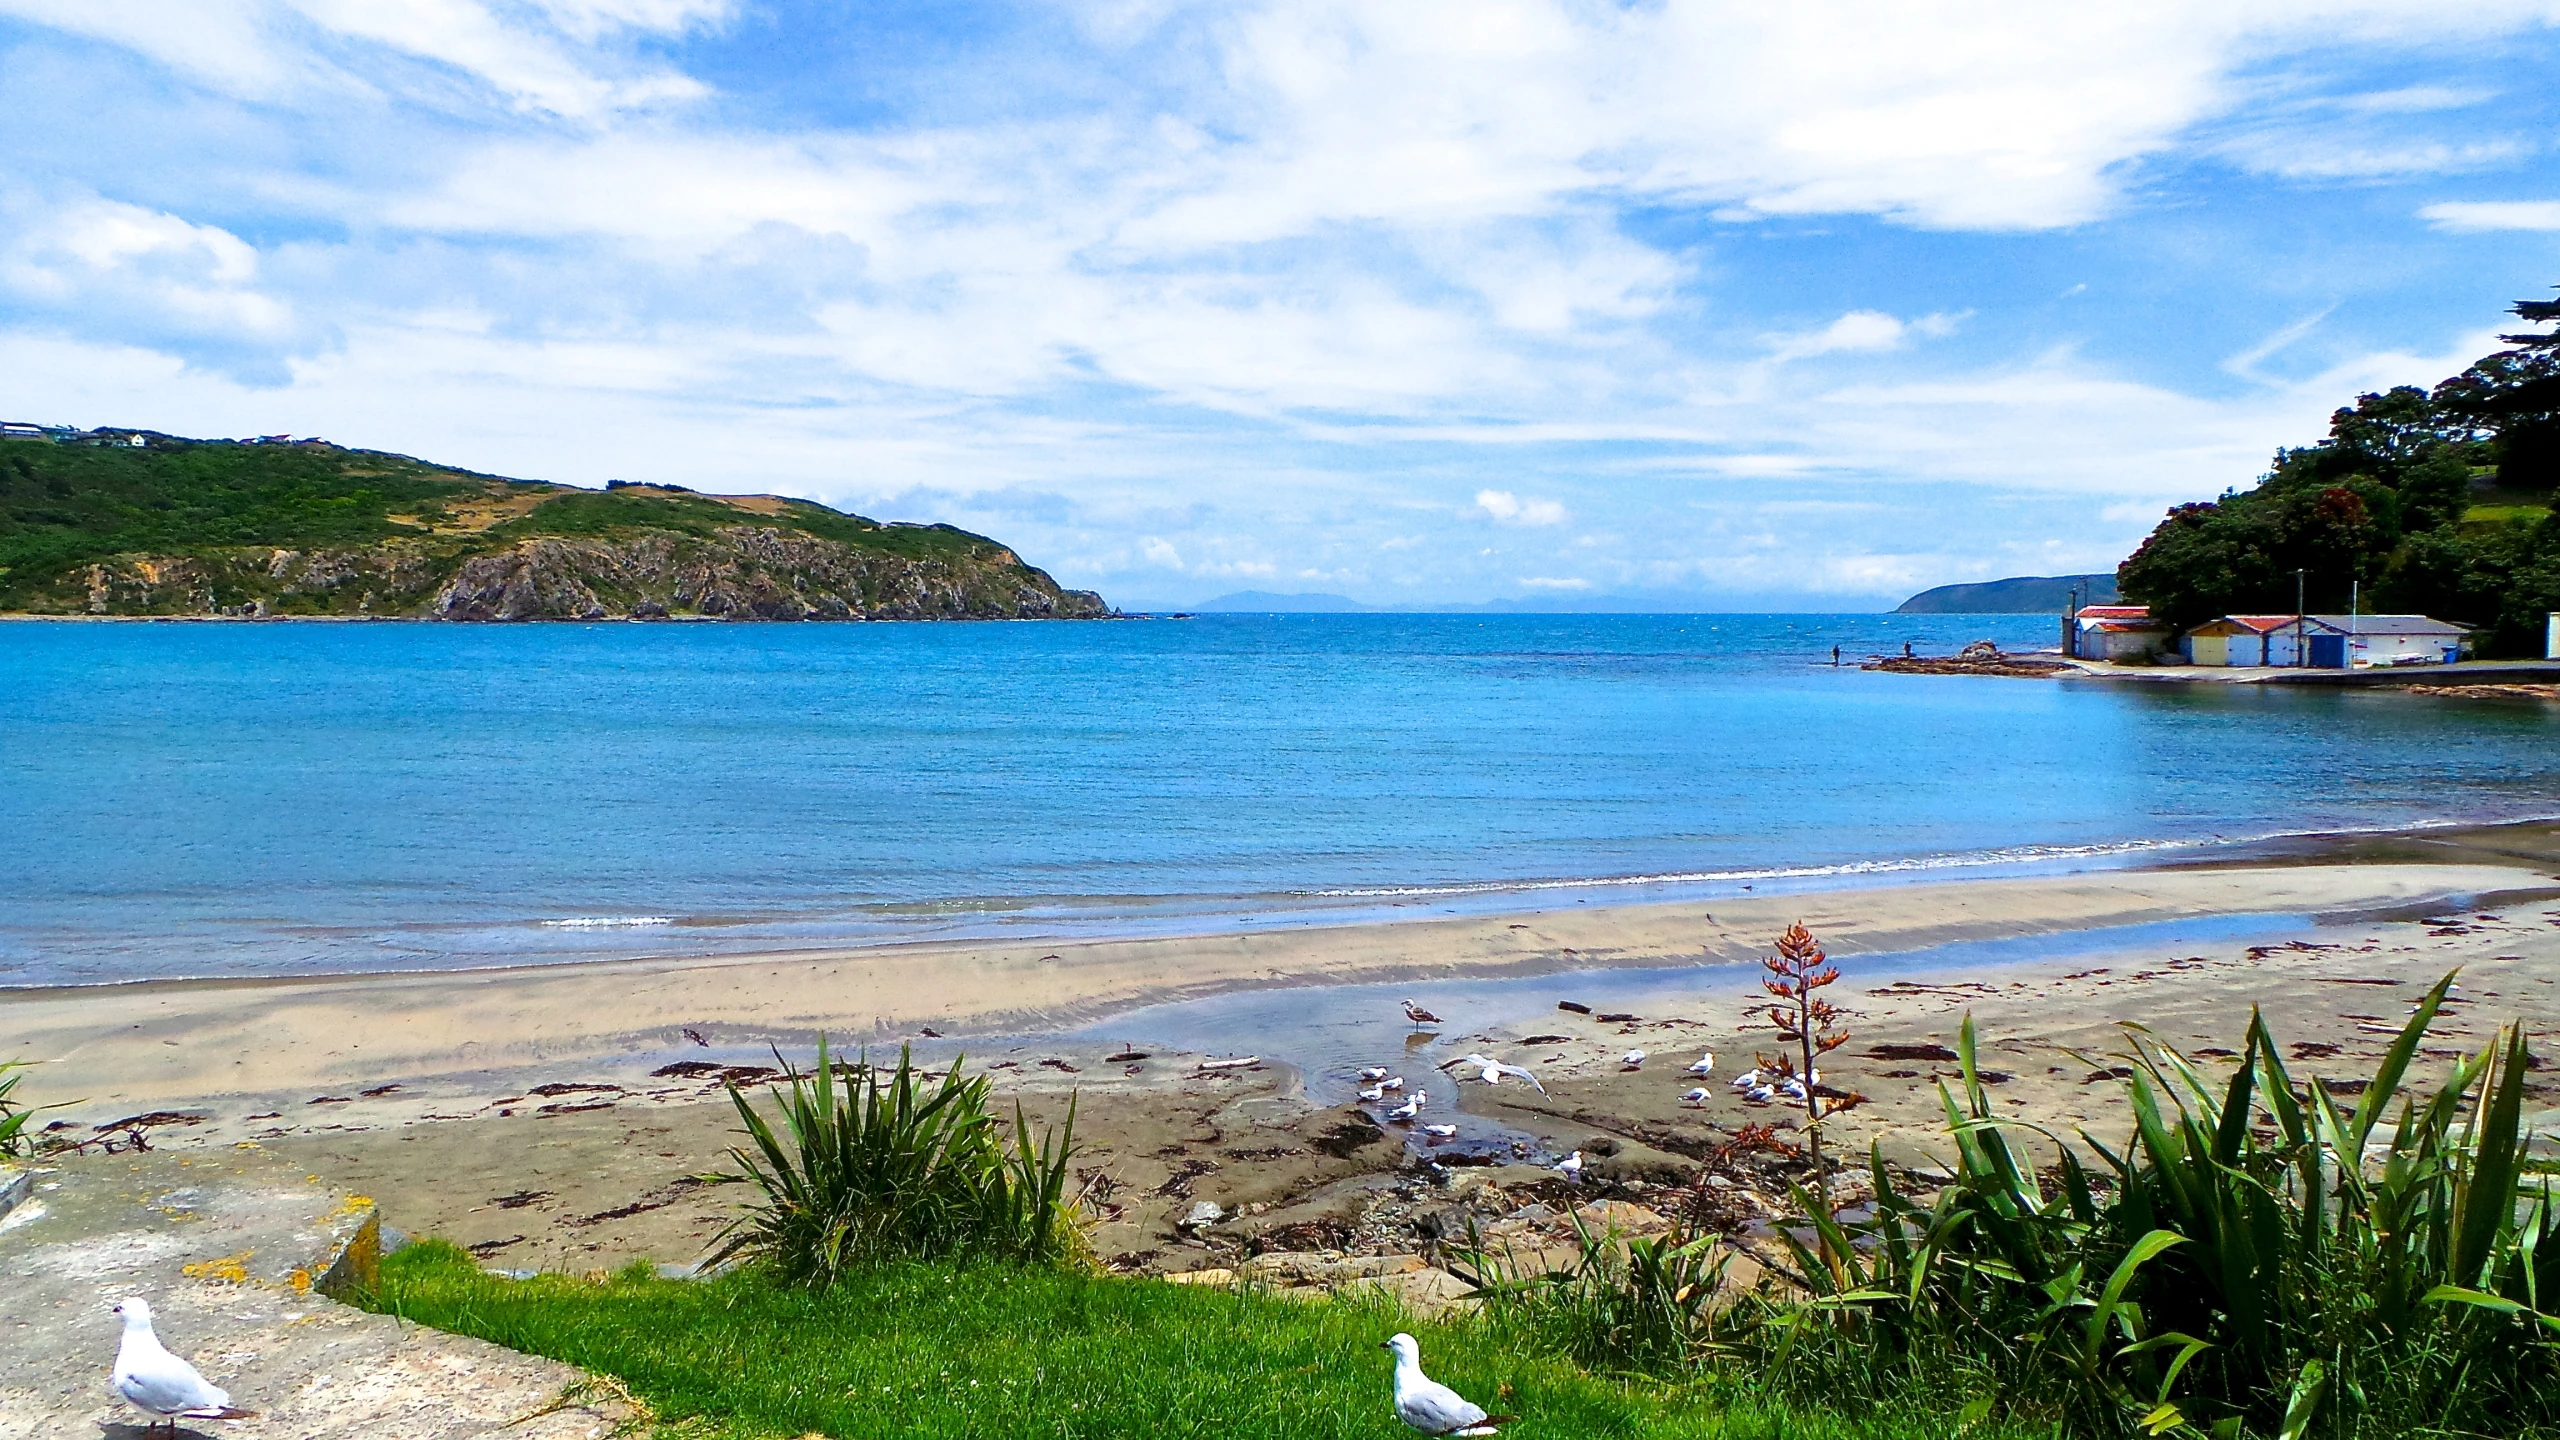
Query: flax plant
[(1811, 1023), (865, 1169), (2256, 1258)]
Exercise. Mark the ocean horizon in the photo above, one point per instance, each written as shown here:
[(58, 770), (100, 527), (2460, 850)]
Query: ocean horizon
[(213, 800)]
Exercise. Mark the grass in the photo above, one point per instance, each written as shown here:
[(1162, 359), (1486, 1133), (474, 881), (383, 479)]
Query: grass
[(947, 1349)]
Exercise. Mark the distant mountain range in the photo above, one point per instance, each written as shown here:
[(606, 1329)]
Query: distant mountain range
[(2022, 595)]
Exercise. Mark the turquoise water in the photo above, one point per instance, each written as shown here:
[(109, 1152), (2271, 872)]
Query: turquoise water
[(257, 799)]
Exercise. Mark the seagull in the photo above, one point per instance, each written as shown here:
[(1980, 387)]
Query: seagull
[(1695, 1097), (1406, 1111), (1395, 1084), (1491, 1071), (1439, 1132), (1792, 1088), (1760, 1094), (1746, 1080), (1705, 1066), (1632, 1060), (1429, 1406), (158, 1383), (1374, 1093), (1374, 1074), (1418, 1015), (1570, 1167)]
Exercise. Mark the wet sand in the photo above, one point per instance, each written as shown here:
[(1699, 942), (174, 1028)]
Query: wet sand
[(556, 1117)]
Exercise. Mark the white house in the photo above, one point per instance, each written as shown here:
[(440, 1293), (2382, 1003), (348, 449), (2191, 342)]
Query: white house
[(2324, 642), (2390, 640)]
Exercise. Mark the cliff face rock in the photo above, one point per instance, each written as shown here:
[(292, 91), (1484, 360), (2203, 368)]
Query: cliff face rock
[(748, 573), (742, 572)]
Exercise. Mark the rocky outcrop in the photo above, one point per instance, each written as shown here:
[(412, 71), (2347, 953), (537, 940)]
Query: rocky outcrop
[(743, 572)]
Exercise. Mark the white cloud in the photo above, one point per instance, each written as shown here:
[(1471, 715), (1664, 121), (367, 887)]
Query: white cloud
[(1510, 509), (1555, 583), (1857, 331), (2469, 215), (143, 268)]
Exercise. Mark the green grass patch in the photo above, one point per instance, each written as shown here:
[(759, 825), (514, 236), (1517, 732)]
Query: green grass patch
[(2505, 514), (951, 1350)]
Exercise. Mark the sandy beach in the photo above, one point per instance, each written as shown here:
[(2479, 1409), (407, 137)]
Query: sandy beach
[(558, 1116)]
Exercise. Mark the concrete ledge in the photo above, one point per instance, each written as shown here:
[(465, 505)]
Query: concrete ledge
[(15, 1186)]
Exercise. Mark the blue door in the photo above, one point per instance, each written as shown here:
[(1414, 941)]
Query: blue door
[(2329, 652)]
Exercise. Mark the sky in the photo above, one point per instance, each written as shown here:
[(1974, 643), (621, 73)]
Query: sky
[(1718, 306)]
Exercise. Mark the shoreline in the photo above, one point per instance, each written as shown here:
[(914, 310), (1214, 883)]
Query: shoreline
[(144, 1042), (560, 1116)]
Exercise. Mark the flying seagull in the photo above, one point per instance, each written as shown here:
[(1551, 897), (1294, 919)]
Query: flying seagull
[(1429, 1406), (1570, 1167), (1632, 1060), (1491, 1071), (1408, 1109), (1705, 1065), (160, 1384), (1418, 1015)]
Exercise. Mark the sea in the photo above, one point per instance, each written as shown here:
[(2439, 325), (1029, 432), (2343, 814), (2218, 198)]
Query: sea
[(230, 800)]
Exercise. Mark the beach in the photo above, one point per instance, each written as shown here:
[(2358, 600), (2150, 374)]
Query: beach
[(561, 1115)]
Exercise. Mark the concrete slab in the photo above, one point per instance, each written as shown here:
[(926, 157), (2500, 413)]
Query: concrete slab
[(235, 1251)]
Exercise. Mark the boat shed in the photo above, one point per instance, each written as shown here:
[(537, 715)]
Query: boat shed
[(2239, 640), (2363, 640), (2324, 642), (2111, 632)]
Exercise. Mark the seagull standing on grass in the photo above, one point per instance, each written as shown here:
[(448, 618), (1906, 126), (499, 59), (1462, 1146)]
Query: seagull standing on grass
[(159, 1384), (1429, 1406)]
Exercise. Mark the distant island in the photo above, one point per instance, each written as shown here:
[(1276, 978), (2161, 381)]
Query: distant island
[(1264, 602), (2022, 595), (137, 523)]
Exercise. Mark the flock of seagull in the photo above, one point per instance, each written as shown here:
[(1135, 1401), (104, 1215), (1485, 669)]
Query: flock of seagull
[(1754, 1085)]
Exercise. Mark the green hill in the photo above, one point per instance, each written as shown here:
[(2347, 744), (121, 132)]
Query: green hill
[(2021, 595), (97, 525)]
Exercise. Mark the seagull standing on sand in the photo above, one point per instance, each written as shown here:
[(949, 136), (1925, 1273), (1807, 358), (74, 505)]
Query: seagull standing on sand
[(1632, 1060), (1695, 1097), (1748, 1079), (1705, 1065), (159, 1384), (1406, 1111), (1418, 1015), (1491, 1071), (1429, 1406), (1760, 1094), (1570, 1167)]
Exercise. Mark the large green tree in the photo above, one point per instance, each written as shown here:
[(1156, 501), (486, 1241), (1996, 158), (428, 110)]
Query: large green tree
[(2431, 502)]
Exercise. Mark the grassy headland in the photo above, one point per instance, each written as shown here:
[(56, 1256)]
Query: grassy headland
[(191, 527)]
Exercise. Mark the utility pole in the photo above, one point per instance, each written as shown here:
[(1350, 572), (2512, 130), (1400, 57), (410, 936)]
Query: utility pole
[(2302, 657)]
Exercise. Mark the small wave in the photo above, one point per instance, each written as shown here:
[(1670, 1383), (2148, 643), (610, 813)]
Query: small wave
[(2020, 855), (608, 922)]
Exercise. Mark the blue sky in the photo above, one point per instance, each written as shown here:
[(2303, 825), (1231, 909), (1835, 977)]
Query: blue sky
[(1735, 305)]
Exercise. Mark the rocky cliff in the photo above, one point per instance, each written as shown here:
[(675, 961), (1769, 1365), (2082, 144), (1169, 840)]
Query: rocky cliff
[(211, 528)]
